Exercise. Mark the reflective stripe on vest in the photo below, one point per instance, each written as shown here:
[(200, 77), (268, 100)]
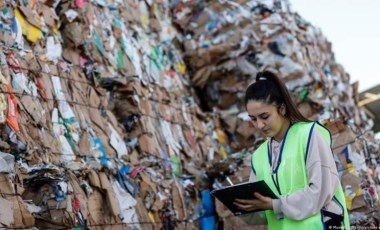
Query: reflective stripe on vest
[(290, 174)]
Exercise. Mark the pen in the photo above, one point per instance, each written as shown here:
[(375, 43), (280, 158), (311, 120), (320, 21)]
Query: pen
[(229, 181)]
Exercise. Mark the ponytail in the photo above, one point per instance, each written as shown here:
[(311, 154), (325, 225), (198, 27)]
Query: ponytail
[(270, 89)]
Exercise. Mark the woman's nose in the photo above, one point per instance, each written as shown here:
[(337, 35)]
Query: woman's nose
[(260, 124)]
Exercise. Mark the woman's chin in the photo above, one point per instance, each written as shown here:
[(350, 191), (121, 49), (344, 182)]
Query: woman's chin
[(267, 133)]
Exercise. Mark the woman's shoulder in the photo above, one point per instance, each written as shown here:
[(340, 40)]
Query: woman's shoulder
[(312, 129), (302, 127)]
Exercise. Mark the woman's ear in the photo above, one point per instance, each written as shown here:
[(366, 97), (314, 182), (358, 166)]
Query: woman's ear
[(282, 109)]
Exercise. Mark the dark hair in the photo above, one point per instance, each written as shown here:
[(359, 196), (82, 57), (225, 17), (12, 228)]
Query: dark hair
[(270, 89)]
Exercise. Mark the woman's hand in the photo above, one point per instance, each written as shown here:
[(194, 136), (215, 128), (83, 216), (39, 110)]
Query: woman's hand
[(262, 202)]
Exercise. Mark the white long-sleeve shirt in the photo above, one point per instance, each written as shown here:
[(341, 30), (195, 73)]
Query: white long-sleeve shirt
[(323, 182)]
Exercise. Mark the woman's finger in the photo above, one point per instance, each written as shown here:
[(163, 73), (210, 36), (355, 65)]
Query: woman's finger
[(242, 201), (261, 197), (245, 207)]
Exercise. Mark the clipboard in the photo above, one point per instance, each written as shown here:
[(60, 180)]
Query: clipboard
[(228, 194)]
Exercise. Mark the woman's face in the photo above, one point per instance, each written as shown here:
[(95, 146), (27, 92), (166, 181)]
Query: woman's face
[(267, 119)]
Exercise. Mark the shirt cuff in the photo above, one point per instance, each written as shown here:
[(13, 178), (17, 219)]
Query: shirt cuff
[(276, 203)]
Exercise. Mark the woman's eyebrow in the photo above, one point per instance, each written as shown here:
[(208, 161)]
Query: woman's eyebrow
[(261, 114)]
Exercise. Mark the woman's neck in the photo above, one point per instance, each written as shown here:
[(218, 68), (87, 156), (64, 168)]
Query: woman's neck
[(280, 135)]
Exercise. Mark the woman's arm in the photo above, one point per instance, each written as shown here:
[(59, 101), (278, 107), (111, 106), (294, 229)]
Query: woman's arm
[(255, 218), (323, 182)]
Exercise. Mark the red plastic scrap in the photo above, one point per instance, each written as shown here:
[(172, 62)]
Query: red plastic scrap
[(13, 114)]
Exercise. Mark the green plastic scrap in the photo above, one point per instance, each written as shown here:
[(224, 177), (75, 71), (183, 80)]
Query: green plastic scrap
[(175, 163), (99, 44), (303, 95), (120, 59)]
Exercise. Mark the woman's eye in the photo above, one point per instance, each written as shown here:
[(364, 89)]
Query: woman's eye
[(253, 118), (265, 117)]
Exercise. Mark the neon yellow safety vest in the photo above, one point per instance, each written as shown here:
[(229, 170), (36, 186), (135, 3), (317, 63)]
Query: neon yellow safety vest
[(290, 175)]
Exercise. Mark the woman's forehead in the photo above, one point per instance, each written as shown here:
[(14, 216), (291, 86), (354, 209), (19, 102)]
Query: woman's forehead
[(258, 107)]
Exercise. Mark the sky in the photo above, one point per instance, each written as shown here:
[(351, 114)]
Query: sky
[(353, 27)]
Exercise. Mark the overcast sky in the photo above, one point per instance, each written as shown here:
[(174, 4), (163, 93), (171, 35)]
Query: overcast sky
[(353, 27)]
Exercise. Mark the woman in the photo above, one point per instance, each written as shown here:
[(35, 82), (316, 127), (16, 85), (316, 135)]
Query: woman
[(296, 161)]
